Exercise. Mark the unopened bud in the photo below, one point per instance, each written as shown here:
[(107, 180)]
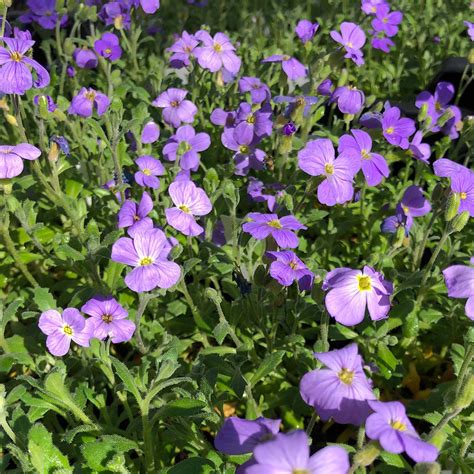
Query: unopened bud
[(213, 295), (11, 120), (176, 251), (219, 79), (466, 395), (452, 206), (460, 221), (286, 144), (53, 152), (448, 114), (427, 468), (6, 185), (423, 113), (118, 22), (437, 193), (399, 237), (43, 107), (367, 455)]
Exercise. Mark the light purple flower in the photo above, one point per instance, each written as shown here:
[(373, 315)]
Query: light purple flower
[(341, 390), (85, 58), (148, 254), (470, 29), (382, 43), (176, 109), (62, 328), (291, 66), (305, 30), (386, 21), (396, 130), (286, 268), (260, 226), (15, 68), (117, 14), (83, 103), (352, 38), (463, 184), (352, 291), (359, 147), (369, 7), (11, 158), (150, 168), (259, 92), (459, 281), (317, 158), (182, 49), (186, 145), (216, 53), (150, 133), (447, 169), (108, 319), (350, 100), (289, 454), (240, 436), (325, 88), (189, 201), (390, 426), (133, 216), (150, 6), (420, 151), (108, 46), (437, 103)]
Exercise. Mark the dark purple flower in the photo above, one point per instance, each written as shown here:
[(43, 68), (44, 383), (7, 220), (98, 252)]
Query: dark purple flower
[(108, 46), (182, 49), (150, 133), (259, 92), (352, 38), (260, 226), (305, 30), (325, 88), (44, 13), (150, 168), (289, 129), (216, 53), (459, 281), (396, 130), (83, 103), (134, 216), (15, 68), (85, 58), (223, 118), (176, 109), (11, 158), (49, 102), (350, 100), (386, 21), (258, 191), (390, 426), (117, 14), (414, 203), (391, 224), (286, 268), (291, 66), (259, 121)]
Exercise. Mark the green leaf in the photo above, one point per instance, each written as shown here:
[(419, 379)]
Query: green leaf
[(127, 378), (183, 407), (10, 312), (65, 251), (221, 331), (269, 364), (43, 299), (193, 466)]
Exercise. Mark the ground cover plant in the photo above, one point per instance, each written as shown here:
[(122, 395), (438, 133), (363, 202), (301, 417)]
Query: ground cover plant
[(236, 236)]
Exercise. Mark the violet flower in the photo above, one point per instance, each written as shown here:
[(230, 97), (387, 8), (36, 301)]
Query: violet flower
[(352, 38), (396, 130), (287, 268), (258, 192), (414, 203), (216, 53), (108, 46), (133, 216), (386, 21), (183, 49), (12, 156), (382, 43), (176, 109), (150, 6), (391, 224), (291, 66), (350, 100), (470, 29), (259, 92), (417, 149), (83, 103), (459, 281), (305, 30), (259, 121), (150, 133), (325, 88), (369, 7), (117, 14), (85, 58), (437, 102), (44, 13), (150, 168)]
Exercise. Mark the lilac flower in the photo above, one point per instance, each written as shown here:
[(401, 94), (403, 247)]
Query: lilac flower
[(44, 13), (258, 192), (317, 159), (386, 21), (259, 121), (420, 151), (459, 281), (175, 108), (108, 46), (50, 105), (189, 201), (452, 127), (148, 253), (15, 68), (150, 168), (437, 103), (62, 143), (341, 390), (350, 100), (291, 66), (62, 328), (117, 14), (391, 224), (259, 92), (470, 29), (305, 30), (352, 37), (186, 144), (150, 133), (289, 454), (223, 118), (134, 216), (260, 226), (108, 319), (382, 43), (396, 130), (216, 53), (369, 7), (11, 158), (390, 426), (83, 103), (289, 129), (85, 58), (183, 49), (150, 6), (325, 88), (286, 268), (414, 203), (447, 169), (359, 148), (463, 184), (297, 104), (351, 291), (240, 436)]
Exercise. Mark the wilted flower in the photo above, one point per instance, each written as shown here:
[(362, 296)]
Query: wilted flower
[(108, 46), (85, 58), (350, 100), (291, 66), (83, 103), (305, 30), (11, 158), (459, 281), (134, 216), (352, 38), (150, 168), (258, 191), (175, 108), (286, 268)]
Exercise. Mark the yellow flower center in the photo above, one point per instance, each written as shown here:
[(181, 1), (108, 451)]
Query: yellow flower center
[(349, 44), (300, 102), (244, 149), (365, 154), (217, 48), (300, 471), (385, 20), (184, 208), (174, 103), (16, 56), (463, 195), (118, 22), (364, 283), (286, 58), (329, 168), (389, 130), (136, 218), (107, 318), (108, 51), (398, 425), (438, 107), (251, 118), (405, 210), (146, 171), (145, 261), (346, 376), (90, 95), (293, 265), (275, 223), (68, 330)]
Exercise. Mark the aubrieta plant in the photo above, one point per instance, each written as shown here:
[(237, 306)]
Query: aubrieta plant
[(236, 236)]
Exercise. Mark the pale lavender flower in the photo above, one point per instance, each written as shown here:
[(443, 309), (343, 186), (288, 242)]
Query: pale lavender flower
[(176, 109), (291, 66), (133, 216), (12, 156), (150, 168)]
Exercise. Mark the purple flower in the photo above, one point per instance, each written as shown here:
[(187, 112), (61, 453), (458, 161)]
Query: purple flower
[(286, 268), (420, 151), (470, 29), (117, 14), (108, 319), (83, 103), (463, 184), (382, 43), (176, 109), (391, 224), (370, 6), (414, 203), (150, 168), (150, 133), (260, 226), (437, 103), (289, 129), (291, 66), (216, 53), (183, 49), (317, 159), (11, 158), (305, 30), (258, 192), (44, 13), (134, 216), (85, 58), (447, 169), (341, 390), (240, 436), (351, 291), (62, 328), (359, 148), (186, 145), (386, 21), (350, 100), (259, 92), (150, 6), (148, 253), (459, 281), (15, 68), (454, 124), (390, 426), (352, 37), (289, 454), (50, 105), (189, 201), (297, 103), (325, 88), (259, 121), (396, 130), (108, 46)]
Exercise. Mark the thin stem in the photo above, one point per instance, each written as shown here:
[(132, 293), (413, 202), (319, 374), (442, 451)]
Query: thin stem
[(312, 422), (6, 427), (447, 417), (421, 248), (324, 330), (223, 320), (4, 20), (143, 299), (466, 363), (147, 437)]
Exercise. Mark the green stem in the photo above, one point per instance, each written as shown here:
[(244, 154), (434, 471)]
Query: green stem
[(466, 363), (312, 422), (147, 438), (324, 330), (421, 247), (143, 299), (447, 417), (4, 20), (6, 427), (230, 329)]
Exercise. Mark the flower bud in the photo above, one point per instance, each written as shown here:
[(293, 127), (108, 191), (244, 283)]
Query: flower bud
[(437, 193), (459, 222), (286, 144), (367, 455), (470, 56), (118, 22), (11, 120), (423, 113), (53, 152), (213, 295), (427, 468), (448, 114), (6, 3), (7, 185), (466, 395), (452, 206), (399, 237)]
